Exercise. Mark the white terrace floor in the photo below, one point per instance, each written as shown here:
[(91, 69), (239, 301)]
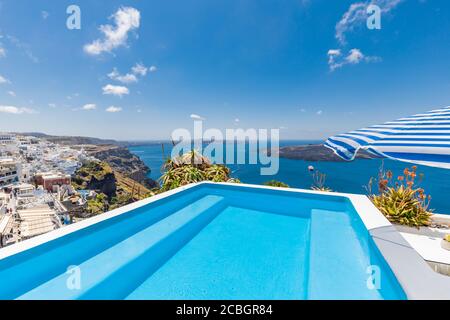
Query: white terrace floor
[(427, 242)]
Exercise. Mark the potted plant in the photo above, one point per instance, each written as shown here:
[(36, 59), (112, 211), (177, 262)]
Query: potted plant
[(446, 242), (401, 201)]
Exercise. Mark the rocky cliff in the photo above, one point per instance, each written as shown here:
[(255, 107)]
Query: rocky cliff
[(123, 161), (113, 188), (96, 176)]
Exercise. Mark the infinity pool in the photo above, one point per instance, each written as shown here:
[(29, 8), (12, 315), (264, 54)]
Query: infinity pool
[(208, 242)]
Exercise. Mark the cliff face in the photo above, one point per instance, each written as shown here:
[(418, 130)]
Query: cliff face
[(113, 188), (123, 161), (96, 176)]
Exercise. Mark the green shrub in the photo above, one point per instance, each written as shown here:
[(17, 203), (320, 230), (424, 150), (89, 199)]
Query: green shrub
[(98, 205), (275, 183)]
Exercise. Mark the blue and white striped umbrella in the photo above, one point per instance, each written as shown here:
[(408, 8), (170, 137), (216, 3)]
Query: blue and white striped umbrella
[(423, 139)]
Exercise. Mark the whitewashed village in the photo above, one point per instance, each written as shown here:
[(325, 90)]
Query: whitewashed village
[(36, 190), (35, 186)]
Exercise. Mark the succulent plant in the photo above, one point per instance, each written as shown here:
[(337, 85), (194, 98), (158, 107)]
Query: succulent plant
[(402, 201), (192, 167)]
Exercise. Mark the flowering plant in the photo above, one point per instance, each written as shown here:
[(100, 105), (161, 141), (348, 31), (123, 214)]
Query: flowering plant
[(400, 199)]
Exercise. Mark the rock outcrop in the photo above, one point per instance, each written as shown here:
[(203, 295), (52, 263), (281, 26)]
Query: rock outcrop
[(113, 188), (123, 161), (96, 176)]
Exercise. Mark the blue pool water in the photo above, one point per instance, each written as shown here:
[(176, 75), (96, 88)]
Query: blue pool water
[(349, 177), (210, 242)]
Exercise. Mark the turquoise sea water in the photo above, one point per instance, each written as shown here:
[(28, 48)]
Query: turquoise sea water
[(349, 177)]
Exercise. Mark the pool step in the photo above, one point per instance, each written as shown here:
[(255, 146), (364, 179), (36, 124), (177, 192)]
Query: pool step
[(115, 272), (334, 244)]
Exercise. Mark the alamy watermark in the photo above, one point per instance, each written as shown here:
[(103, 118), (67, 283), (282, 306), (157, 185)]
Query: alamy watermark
[(250, 146), (374, 19), (374, 280), (73, 21), (73, 281)]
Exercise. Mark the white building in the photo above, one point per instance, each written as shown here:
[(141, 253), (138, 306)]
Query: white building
[(7, 139), (24, 190), (4, 200), (37, 220), (10, 171), (8, 230)]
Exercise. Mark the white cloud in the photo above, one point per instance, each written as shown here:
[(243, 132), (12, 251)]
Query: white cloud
[(2, 52), (16, 110), (12, 93), (319, 112), (74, 95), (356, 16), (140, 69), (333, 55), (137, 70), (354, 56), (115, 90), (44, 14), (126, 19), (52, 105), (197, 117), (237, 120), (113, 109), (127, 78), (89, 106), (334, 52), (24, 47), (3, 80), (303, 110)]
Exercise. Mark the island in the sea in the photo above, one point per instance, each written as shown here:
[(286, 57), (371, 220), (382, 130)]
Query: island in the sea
[(316, 152)]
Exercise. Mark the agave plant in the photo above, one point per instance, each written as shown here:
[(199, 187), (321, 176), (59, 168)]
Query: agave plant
[(217, 173), (193, 158), (319, 179), (192, 167), (402, 201)]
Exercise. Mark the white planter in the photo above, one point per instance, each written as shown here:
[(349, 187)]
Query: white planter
[(445, 244)]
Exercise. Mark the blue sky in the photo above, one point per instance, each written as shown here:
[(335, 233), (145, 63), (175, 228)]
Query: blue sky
[(309, 67)]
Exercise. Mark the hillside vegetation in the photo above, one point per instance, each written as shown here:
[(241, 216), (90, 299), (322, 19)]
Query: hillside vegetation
[(112, 187)]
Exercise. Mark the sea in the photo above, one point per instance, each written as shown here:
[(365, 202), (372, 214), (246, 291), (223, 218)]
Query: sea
[(349, 177)]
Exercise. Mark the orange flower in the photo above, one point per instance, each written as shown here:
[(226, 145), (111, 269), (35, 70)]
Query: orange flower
[(401, 178), (389, 174), (414, 168), (406, 172)]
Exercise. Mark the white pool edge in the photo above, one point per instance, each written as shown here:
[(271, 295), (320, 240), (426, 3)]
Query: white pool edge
[(417, 279)]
